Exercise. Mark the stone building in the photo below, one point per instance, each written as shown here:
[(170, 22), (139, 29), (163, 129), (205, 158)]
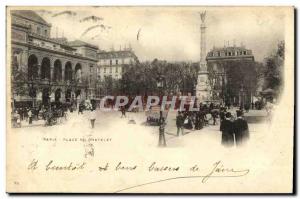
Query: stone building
[(56, 70), (231, 74), (113, 64)]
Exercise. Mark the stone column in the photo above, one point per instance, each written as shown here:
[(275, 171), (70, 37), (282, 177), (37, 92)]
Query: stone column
[(63, 96), (63, 75), (51, 73), (39, 71), (83, 94)]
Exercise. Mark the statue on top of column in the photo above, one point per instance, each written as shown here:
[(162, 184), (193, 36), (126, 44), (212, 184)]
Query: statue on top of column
[(203, 15)]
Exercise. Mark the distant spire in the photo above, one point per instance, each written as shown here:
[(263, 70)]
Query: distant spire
[(228, 43), (234, 42), (224, 44)]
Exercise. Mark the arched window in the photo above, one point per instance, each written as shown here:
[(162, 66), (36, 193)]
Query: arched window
[(68, 71), (45, 69), (57, 75), (32, 67), (78, 72)]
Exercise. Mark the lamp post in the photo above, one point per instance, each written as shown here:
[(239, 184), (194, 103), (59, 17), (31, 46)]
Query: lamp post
[(31, 92), (49, 94), (161, 139)]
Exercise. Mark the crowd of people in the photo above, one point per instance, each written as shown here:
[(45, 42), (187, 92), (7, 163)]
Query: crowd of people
[(234, 129), (50, 114)]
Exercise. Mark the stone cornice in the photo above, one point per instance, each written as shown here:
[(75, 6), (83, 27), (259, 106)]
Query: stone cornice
[(53, 51)]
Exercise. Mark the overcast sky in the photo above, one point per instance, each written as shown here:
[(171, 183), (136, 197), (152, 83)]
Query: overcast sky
[(172, 33)]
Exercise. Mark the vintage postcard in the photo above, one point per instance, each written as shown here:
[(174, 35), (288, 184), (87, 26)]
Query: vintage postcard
[(154, 99)]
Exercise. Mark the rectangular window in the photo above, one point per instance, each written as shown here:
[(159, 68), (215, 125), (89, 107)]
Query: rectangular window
[(245, 52), (117, 62), (45, 32), (117, 69), (219, 54), (38, 30), (110, 62), (104, 69)]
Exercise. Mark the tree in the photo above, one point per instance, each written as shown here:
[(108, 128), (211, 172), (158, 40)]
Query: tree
[(273, 69), (19, 81)]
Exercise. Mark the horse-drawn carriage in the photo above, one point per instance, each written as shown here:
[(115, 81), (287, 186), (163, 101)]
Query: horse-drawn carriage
[(153, 115)]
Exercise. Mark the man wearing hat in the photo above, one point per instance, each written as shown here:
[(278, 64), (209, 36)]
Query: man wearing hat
[(227, 129), (241, 130)]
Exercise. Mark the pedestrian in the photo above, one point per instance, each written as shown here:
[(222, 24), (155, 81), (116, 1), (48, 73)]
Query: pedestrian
[(252, 105), (179, 123), (80, 108), (214, 114), (247, 107), (222, 114), (30, 116), (211, 106), (92, 117), (188, 121), (26, 114), (21, 112), (227, 130), (123, 111), (16, 119), (198, 121), (241, 130)]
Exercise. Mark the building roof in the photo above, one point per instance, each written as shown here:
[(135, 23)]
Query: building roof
[(116, 54), (229, 48), (79, 43), (30, 15), (230, 53)]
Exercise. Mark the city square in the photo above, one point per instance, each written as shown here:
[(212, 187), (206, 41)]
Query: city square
[(149, 99), (111, 125), (67, 79)]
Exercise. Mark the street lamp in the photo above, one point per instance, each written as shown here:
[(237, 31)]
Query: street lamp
[(161, 139)]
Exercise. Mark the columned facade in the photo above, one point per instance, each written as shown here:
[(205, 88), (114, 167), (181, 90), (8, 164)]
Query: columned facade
[(53, 71)]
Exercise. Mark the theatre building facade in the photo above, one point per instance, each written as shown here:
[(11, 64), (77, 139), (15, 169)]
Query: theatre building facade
[(46, 69)]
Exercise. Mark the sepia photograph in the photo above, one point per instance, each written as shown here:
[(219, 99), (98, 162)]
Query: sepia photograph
[(149, 99)]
